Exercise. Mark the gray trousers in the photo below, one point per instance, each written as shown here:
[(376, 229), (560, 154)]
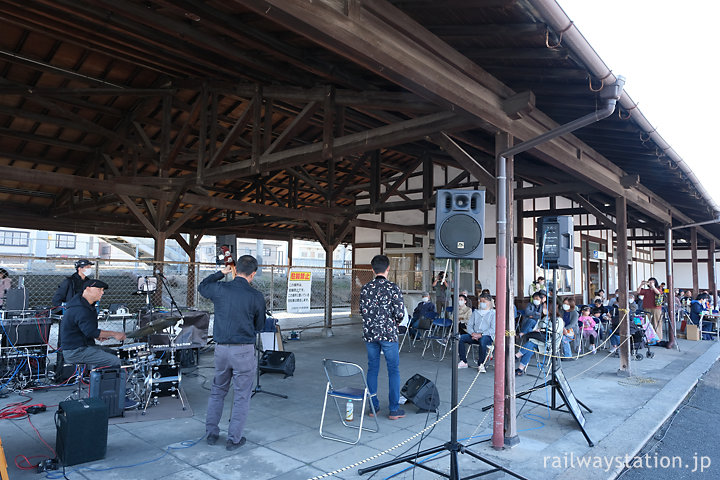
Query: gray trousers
[(93, 356), (234, 363)]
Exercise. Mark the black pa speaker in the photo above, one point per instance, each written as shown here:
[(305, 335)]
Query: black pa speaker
[(460, 224), (555, 242), (273, 361), (82, 427), (422, 392), (108, 384)]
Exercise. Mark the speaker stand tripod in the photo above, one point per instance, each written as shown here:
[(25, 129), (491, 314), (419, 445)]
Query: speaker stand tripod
[(453, 446), (558, 383), (258, 388)]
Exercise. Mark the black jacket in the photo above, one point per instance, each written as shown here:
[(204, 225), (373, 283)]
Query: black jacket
[(239, 308), (79, 327), (69, 287)]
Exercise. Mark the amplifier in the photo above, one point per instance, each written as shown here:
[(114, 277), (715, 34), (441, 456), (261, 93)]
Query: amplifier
[(108, 384), (82, 427), (273, 361), (25, 331)]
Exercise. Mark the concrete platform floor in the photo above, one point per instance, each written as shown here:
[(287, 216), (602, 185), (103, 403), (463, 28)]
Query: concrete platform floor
[(283, 440)]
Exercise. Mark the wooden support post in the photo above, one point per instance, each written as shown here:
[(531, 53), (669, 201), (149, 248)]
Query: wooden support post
[(505, 141), (694, 253), (327, 330), (670, 285), (623, 284), (159, 265), (712, 272)]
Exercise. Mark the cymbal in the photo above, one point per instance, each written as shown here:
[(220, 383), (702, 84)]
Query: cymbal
[(154, 327)]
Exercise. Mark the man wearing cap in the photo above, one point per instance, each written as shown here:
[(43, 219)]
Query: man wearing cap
[(72, 285), (79, 329)]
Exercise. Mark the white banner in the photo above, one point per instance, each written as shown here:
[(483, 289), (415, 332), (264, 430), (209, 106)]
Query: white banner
[(298, 291)]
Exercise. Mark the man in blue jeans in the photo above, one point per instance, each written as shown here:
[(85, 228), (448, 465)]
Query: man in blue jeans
[(382, 309)]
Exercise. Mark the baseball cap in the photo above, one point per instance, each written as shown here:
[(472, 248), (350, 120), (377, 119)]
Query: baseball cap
[(83, 262), (92, 282)]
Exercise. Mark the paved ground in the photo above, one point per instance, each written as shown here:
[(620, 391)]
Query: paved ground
[(685, 445), (283, 439)]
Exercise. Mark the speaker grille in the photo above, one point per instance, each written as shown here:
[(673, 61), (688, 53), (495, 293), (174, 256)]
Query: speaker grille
[(460, 234)]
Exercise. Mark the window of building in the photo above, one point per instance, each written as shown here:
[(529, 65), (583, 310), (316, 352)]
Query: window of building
[(14, 239), (266, 252), (65, 241)]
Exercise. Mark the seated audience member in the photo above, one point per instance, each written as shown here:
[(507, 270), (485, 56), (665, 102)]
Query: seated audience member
[(537, 338), (632, 305), (481, 331), (697, 308), (532, 315), (424, 309), (570, 324), (602, 316), (536, 286), (464, 312)]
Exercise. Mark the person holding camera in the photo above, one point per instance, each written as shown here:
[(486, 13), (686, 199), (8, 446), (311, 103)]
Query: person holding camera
[(440, 284)]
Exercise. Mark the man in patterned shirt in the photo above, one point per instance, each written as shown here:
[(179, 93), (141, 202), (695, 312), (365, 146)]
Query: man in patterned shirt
[(382, 308)]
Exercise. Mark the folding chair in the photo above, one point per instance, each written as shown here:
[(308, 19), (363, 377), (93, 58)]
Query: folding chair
[(422, 330), (440, 333), (347, 381)]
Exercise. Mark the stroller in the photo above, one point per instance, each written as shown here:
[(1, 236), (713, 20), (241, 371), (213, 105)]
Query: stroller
[(642, 335)]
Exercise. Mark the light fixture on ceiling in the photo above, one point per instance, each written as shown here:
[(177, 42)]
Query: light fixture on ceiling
[(642, 220)]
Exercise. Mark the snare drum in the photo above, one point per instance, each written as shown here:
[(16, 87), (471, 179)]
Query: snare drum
[(133, 351)]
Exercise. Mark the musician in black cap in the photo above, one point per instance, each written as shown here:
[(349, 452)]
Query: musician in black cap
[(79, 329), (72, 285)]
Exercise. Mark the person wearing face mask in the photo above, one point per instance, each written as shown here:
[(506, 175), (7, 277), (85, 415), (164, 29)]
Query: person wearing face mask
[(532, 315), (464, 312), (481, 331), (571, 328), (650, 293), (72, 285), (632, 304), (424, 309)]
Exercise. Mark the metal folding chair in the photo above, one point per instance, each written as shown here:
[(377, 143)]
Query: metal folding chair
[(347, 381), (440, 335), (422, 330)]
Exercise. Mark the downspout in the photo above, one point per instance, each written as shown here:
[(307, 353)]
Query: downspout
[(610, 95), (555, 17)]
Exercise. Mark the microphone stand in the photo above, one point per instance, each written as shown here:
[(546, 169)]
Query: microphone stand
[(172, 299)]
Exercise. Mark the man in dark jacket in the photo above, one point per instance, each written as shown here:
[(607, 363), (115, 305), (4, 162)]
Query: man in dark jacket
[(73, 284), (79, 329), (239, 314)]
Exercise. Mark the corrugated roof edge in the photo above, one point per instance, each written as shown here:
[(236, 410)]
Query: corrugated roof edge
[(556, 17)]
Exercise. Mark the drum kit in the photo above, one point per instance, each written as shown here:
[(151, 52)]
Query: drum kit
[(153, 370)]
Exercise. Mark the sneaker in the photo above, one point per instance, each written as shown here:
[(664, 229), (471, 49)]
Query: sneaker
[(212, 438), (399, 413), (481, 368), (371, 414), (613, 350), (462, 364), (594, 350), (230, 445)]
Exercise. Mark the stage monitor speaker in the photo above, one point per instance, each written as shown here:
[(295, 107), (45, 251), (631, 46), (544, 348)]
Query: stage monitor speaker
[(460, 224), (108, 384), (555, 242), (82, 427), (421, 392), (273, 361)]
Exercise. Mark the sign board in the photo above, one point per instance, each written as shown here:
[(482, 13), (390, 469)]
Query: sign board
[(298, 291), (599, 255)]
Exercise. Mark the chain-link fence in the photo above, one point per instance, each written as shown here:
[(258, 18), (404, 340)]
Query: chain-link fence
[(128, 279)]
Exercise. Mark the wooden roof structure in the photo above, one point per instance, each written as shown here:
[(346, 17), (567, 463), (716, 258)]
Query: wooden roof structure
[(272, 118)]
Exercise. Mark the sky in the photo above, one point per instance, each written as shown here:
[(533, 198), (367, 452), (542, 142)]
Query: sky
[(668, 52)]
